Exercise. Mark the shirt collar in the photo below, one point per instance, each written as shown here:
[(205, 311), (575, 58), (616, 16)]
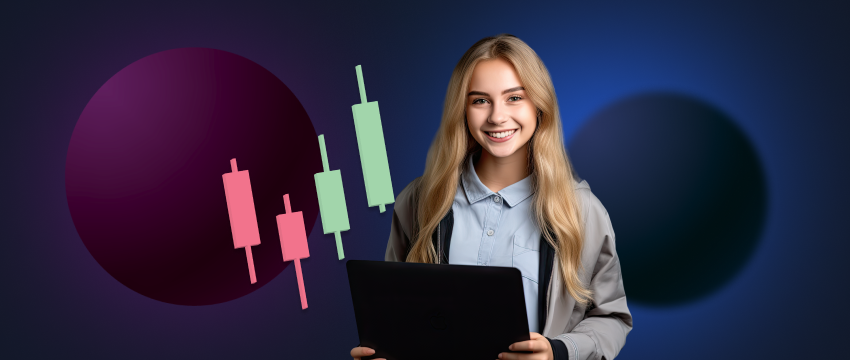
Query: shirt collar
[(476, 191)]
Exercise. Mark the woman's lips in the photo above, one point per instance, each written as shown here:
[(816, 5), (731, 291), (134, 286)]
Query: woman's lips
[(506, 138)]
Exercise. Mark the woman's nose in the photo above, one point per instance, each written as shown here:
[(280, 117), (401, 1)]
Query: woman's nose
[(499, 115)]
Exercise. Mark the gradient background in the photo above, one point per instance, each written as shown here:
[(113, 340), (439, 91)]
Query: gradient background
[(779, 70)]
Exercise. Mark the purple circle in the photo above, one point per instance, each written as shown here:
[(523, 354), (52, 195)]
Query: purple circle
[(144, 171)]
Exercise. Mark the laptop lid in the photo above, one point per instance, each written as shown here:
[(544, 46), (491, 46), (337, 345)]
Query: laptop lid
[(409, 311)]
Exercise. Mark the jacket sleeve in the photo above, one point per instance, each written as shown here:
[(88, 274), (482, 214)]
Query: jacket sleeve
[(602, 332), (400, 229)]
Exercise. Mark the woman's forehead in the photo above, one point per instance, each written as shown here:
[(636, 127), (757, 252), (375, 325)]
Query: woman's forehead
[(495, 75)]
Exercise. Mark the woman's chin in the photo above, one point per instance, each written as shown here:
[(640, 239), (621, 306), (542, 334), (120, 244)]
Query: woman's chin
[(502, 151)]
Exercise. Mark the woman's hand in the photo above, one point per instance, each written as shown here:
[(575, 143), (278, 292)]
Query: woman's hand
[(538, 344), (360, 351)]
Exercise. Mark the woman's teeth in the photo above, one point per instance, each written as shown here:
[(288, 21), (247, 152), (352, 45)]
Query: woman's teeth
[(500, 135)]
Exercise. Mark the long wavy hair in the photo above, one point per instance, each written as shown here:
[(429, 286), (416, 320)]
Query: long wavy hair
[(556, 208)]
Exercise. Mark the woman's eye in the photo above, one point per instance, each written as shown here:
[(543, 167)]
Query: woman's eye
[(479, 101), (514, 98)]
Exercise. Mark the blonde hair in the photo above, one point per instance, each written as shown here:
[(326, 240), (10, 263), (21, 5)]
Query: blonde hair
[(556, 208)]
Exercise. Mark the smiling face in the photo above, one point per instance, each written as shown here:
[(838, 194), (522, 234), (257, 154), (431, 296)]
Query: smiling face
[(499, 114)]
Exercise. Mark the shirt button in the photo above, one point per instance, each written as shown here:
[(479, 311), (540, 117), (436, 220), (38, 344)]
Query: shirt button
[(490, 232), (497, 199)]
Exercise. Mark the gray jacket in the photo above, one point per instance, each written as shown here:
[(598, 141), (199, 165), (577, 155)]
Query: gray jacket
[(597, 331)]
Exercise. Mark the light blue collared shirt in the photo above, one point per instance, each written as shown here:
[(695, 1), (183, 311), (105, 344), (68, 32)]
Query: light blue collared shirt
[(497, 229)]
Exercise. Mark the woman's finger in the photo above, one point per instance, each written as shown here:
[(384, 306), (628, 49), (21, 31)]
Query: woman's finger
[(361, 351), (518, 356), (534, 335), (535, 344), (528, 345)]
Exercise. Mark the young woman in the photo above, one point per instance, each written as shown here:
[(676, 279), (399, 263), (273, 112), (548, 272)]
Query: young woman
[(499, 190)]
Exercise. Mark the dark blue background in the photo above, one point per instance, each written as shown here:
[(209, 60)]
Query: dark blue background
[(779, 70)]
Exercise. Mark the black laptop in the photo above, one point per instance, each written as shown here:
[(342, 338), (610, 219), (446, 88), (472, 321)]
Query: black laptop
[(409, 311)]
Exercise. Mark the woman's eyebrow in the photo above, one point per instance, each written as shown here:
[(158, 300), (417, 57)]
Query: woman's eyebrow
[(518, 88)]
